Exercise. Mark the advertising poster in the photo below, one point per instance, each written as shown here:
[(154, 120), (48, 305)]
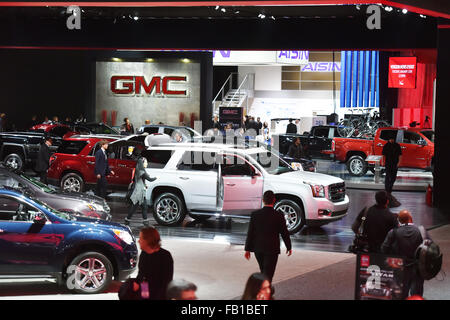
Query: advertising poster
[(379, 277), (402, 72), (230, 114)]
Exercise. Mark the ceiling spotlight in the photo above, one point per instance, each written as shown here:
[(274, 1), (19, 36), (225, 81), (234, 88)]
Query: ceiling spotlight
[(262, 16), (388, 9), (404, 11), (217, 7), (237, 12), (136, 18), (358, 7), (185, 60), (422, 16), (149, 59), (272, 17), (116, 59), (223, 10)]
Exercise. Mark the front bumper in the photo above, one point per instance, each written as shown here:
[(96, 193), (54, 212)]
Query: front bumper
[(334, 211)]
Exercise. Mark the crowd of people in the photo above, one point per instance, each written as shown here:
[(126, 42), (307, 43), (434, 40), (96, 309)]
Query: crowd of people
[(384, 231), (155, 279), (389, 233)]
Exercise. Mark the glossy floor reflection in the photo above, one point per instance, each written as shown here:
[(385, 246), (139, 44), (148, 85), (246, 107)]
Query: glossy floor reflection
[(407, 179), (335, 237)]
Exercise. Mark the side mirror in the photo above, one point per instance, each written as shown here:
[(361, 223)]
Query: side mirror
[(422, 142), (40, 218)]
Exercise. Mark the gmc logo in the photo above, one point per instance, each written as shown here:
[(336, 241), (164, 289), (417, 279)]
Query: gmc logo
[(158, 85)]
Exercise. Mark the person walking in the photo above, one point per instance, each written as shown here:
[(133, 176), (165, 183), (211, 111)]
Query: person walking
[(379, 220), (102, 169), (291, 127), (127, 127), (155, 264), (392, 153), (139, 196), (404, 241), (43, 159), (295, 149), (258, 287), (259, 125), (216, 123), (263, 236)]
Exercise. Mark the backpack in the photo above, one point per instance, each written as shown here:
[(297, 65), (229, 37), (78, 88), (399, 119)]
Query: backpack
[(429, 257)]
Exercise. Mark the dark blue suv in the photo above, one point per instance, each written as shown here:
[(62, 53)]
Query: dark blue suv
[(37, 241)]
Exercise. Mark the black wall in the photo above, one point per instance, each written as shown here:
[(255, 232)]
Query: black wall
[(52, 83), (62, 82), (442, 116)]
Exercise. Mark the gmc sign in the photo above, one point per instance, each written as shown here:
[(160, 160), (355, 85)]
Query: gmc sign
[(159, 86)]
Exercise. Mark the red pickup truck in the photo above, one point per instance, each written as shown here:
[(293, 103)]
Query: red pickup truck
[(417, 149)]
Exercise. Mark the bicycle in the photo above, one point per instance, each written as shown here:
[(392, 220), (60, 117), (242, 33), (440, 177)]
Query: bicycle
[(364, 126)]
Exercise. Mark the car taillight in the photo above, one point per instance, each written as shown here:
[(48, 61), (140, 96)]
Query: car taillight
[(333, 145)]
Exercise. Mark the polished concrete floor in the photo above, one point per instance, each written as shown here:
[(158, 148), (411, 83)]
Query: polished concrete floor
[(336, 236), (407, 179)]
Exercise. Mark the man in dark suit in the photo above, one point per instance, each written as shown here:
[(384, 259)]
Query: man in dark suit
[(393, 154), (43, 159), (102, 169), (379, 220), (263, 236), (291, 127)]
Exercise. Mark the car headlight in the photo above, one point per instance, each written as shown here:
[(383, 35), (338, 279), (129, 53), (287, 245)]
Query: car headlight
[(318, 190), (125, 236), (96, 207)]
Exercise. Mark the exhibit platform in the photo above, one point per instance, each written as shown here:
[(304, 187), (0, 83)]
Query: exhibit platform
[(407, 180)]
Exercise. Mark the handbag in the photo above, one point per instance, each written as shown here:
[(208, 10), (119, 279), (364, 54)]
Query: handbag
[(126, 290), (360, 243), (130, 187)]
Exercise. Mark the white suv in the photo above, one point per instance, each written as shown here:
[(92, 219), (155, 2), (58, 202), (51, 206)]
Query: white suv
[(206, 180)]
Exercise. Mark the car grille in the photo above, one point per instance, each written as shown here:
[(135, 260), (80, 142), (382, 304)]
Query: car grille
[(337, 192)]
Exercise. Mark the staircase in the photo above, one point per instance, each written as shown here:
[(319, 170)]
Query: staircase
[(239, 97)]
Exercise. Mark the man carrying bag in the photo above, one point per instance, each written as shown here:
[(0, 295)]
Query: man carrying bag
[(372, 224)]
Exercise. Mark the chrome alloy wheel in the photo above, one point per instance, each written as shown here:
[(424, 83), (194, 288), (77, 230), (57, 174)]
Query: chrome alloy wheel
[(290, 214), (12, 163), (356, 166), (72, 184), (90, 274), (167, 210)]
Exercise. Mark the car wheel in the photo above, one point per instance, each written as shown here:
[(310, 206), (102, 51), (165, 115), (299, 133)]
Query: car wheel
[(89, 273), (357, 166), (72, 182), (13, 161), (293, 213), (168, 209)]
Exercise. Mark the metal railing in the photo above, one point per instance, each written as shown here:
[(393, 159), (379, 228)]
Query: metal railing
[(245, 86)]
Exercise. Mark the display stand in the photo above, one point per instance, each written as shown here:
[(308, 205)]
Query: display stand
[(376, 161)]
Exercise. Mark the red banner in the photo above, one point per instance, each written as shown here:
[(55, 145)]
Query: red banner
[(402, 72)]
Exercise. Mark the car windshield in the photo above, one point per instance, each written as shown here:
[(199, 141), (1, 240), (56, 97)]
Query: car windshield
[(60, 214), (40, 185), (271, 162), (429, 134)]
